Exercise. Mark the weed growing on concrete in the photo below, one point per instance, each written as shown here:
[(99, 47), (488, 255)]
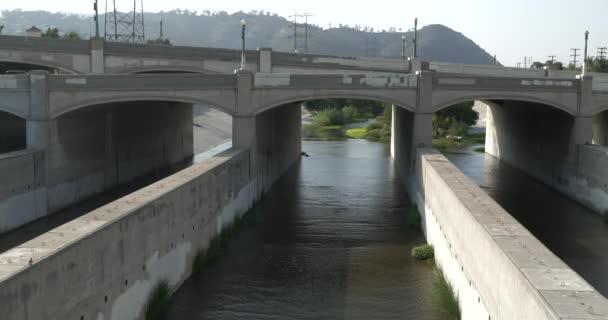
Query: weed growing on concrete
[(480, 149), (423, 252), (217, 245), (413, 218), (159, 301), (445, 297)]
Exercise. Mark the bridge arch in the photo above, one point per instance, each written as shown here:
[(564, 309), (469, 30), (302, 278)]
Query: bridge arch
[(510, 97), (166, 69), (110, 99), (12, 131), (403, 103), (45, 65)]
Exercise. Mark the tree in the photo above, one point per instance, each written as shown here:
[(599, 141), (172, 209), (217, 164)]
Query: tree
[(597, 65), (537, 65), (72, 35), (454, 120), (51, 33)]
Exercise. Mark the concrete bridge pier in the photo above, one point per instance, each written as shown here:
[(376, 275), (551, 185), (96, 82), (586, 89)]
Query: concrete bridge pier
[(274, 137)]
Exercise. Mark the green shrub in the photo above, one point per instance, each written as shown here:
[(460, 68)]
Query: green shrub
[(445, 297), (423, 252), (157, 306), (480, 149)]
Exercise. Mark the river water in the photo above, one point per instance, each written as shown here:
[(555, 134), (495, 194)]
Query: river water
[(328, 242), (574, 233)]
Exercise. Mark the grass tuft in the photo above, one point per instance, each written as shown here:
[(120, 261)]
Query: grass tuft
[(445, 297), (423, 252), (159, 301), (480, 149)]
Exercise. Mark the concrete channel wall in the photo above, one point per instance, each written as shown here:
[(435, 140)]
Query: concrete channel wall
[(498, 268), (104, 264), (22, 188)]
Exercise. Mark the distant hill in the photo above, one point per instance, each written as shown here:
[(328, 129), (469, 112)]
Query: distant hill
[(220, 29)]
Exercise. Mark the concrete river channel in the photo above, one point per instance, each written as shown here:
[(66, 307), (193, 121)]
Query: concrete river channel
[(331, 240)]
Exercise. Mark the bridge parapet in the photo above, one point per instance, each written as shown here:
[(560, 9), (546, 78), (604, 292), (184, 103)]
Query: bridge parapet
[(328, 81), (447, 81), (142, 82)]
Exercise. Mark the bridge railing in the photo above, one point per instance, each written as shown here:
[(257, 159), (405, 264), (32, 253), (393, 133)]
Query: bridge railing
[(328, 81), (44, 44), (500, 71), (600, 81)]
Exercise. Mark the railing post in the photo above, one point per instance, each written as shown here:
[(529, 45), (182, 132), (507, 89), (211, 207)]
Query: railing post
[(265, 60)]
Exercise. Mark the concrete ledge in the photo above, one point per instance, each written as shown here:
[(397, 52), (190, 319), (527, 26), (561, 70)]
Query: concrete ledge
[(515, 275), (103, 265)]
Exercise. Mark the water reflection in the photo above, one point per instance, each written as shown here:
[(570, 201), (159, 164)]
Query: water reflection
[(574, 233), (329, 243)]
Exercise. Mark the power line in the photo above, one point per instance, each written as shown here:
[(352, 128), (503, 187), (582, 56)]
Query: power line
[(574, 56), (601, 52)]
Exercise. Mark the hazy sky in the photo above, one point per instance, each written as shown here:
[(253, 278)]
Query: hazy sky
[(511, 29)]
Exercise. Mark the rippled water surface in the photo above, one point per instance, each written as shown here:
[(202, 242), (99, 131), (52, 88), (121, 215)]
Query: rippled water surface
[(328, 242)]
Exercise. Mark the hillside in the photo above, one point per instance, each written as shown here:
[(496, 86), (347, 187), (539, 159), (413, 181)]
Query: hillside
[(436, 42)]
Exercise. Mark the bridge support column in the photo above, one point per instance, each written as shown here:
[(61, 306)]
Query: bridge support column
[(38, 121), (97, 55), (275, 143), (37, 138)]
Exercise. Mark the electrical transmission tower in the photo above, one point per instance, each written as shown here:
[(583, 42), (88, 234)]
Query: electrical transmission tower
[(574, 56), (298, 34), (125, 26), (601, 52), (526, 60)]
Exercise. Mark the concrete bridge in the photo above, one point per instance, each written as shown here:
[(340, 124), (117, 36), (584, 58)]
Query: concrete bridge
[(86, 133)]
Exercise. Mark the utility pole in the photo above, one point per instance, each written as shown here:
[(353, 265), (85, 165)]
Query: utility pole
[(403, 47), (96, 19), (585, 53), (574, 56), (161, 29), (519, 64), (297, 34), (306, 35), (552, 57), (601, 52), (416, 38), (526, 60)]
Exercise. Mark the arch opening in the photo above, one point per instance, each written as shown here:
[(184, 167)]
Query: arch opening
[(536, 138), (8, 67), (99, 147), (12, 133)]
